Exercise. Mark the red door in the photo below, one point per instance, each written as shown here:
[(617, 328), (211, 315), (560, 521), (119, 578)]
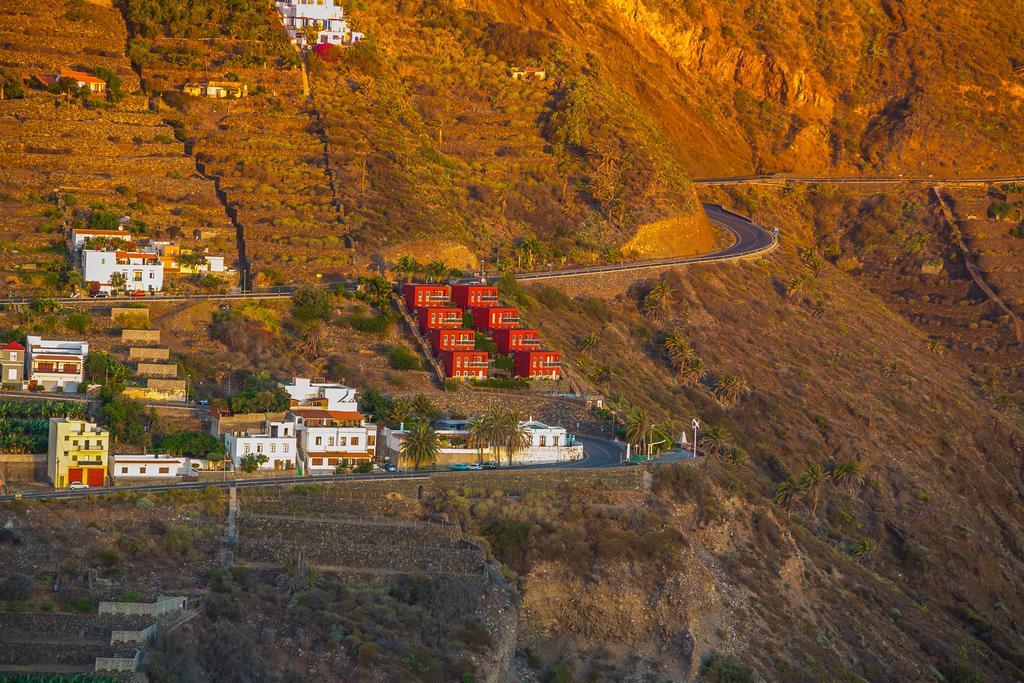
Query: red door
[(95, 475), (74, 474)]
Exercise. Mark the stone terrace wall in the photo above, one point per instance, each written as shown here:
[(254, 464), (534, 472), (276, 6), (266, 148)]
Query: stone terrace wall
[(118, 311), (332, 503), (140, 336), (69, 625), (143, 353), (516, 482), (350, 531), (46, 653), (23, 466), (328, 550), (157, 370)]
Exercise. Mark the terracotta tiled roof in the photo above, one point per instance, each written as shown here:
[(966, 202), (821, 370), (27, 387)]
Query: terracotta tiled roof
[(80, 76), (321, 414)]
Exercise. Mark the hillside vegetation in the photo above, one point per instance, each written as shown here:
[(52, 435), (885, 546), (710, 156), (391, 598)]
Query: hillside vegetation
[(893, 571)]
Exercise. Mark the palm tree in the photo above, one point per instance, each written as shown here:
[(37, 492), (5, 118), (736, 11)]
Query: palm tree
[(408, 266), (716, 441), (638, 426), (588, 343), (436, 271), (679, 349), (729, 389), (693, 370), (864, 548), (420, 445), (847, 475), (401, 411), (810, 483), (423, 408), (658, 301), (480, 435), (796, 287), (1005, 403), (787, 493), (311, 345), (990, 388), (934, 345)]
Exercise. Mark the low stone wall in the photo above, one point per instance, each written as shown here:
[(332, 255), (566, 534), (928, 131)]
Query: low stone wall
[(518, 482), (150, 609), (140, 637), (332, 501), (384, 554), (219, 475), (140, 336), (165, 370), (69, 625), (120, 662), (21, 653), (121, 311), (23, 466), (548, 454), (327, 529), (143, 353)]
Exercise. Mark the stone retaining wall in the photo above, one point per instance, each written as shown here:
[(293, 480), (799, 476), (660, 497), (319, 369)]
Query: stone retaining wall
[(385, 555), (348, 532), (140, 336), (47, 653), (119, 662), (23, 466), (149, 609), (69, 625), (143, 353), (119, 311), (165, 370)]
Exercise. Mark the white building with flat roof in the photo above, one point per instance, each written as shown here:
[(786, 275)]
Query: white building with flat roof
[(329, 438), (277, 442), (151, 466), (56, 365), (305, 393), (328, 16), (143, 271)]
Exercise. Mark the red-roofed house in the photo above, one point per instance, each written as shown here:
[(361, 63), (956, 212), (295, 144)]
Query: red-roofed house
[(537, 364), (329, 438), (452, 340), (56, 365), (474, 296), (465, 364), (426, 296), (81, 79), (495, 318), (439, 318), (510, 340), (12, 365)]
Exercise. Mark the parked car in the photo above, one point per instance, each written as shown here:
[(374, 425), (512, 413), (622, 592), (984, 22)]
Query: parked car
[(459, 466), (388, 467), (78, 486), (137, 292), (97, 295), (475, 466), (490, 465)]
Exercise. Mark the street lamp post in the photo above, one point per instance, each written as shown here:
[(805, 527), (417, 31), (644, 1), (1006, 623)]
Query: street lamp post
[(696, 426)]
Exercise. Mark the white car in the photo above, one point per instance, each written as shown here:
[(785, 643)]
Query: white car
[(475, 466), (78, 486)]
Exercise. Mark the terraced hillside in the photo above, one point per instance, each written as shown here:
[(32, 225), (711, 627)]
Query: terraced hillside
[(118, 157), (264, 149)]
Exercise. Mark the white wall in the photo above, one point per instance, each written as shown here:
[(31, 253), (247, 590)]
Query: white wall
[(148, 467), (99, 266)]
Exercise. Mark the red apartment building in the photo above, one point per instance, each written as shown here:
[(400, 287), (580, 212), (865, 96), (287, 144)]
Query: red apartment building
[(536, 364), (452, 340), (475, 296), (495, 318), (439, 318), (511, 340), (426, 296), (465, 364)]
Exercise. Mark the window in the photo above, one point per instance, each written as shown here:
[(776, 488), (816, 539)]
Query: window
[(165, 470), (355, 440), (318, 461), (124, 470), (248, 447), (12, 373), (273, 448), (142, 470), (284, 448), (259, 448), (543, 441), (330, 441), (319, 441), (342, 441), (371, 440)]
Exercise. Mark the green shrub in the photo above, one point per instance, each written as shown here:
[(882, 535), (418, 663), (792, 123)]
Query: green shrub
[(312, 303), (725, 669), (364, 468), (376, 324), (401, 358), (516, 383)]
